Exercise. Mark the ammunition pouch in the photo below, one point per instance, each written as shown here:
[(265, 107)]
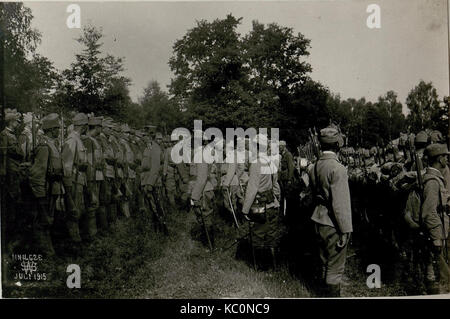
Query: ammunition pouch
[(82, 167), (55, 175), (100, 166), (110, 161)]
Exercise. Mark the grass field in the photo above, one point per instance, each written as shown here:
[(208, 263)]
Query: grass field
[(134, 261)]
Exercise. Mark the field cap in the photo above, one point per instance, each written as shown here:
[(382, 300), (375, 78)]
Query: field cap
[(50, 121), (421, 137), (436, 149), (95, 120), (330, 135), (80, 119)]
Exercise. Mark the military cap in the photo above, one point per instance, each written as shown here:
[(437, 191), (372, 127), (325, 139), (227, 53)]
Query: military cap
[(436, 149), (80, 119), (421, 137), (11, 117), (366, 153), (107, 122), (282, 143), (95, 120), (158, 135), (330, 135), (50, 121), (125, 128), (436, 137), (27, 117), (150, 128)]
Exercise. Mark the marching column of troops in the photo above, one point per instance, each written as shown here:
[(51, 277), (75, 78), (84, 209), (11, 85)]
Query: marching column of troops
[(63, 185)]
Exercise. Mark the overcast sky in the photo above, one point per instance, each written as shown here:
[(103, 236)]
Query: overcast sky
[(345, 54)]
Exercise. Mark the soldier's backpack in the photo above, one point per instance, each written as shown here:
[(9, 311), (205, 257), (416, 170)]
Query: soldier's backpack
[(412, 213)]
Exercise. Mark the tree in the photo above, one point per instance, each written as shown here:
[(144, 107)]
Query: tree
[(258, 80), (390, 112), (29, 77), (94, 83), (159, 110), (423, 103)]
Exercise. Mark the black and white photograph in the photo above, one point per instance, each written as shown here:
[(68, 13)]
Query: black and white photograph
[(215, 150)]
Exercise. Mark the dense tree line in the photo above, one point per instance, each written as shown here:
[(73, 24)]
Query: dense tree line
[(260, 79)]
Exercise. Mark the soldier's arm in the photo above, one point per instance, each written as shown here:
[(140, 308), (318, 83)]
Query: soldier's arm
[(200, 181), (291, 167), (252, 187), (166, 161), (430, 209), (340, 197), (155, 165), (184, 172), (38, 172), (3, 150), (68, 157)]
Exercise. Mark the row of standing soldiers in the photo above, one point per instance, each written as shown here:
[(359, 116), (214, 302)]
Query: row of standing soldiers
[(399, 199), (62, 186)]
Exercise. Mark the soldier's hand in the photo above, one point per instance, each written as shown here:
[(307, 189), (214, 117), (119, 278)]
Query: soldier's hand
[(343, 240), (148, 188), (195, 203)]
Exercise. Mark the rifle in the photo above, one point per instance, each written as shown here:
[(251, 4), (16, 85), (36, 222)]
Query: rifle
[(62, 132), (314, 143), (198, 211), (232, 208), (251, 243), (33, 133), (159, 211)]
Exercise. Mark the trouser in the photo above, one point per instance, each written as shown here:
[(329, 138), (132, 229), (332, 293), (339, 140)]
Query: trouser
[(267, 228), (124, 203), (105, 199), (205, 216), (153, 200), (332, 257), (42, 224), (88, 220), (74, 212), (170, 186), (437, 271)]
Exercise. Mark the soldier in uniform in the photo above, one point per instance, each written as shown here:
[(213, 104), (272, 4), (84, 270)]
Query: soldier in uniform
[(94, 176), (230, 181), (45, 179), (108, 188), (128, 168), (261, 206), (169, 173), (286, 174), (75, 167), (202, 195), (151, 179), (10, 158), (435, 218), (332, 214)]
